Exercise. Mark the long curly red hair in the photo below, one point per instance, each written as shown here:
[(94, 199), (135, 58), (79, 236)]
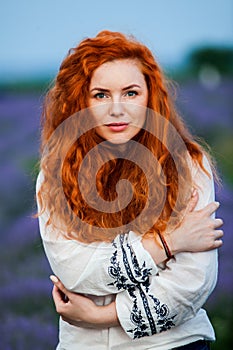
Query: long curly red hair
[(68, 96)]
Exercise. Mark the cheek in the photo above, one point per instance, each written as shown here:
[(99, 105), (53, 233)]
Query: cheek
[(99, 131), (145, 102), (98, 111), (138, 114), (141, 117)]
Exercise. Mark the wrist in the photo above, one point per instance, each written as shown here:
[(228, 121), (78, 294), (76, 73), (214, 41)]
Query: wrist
[(105, 316), (168, 245), (155, 248), (175, 241)]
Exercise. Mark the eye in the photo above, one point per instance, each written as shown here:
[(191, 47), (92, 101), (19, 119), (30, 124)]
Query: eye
[(100, 95), (131, 93)]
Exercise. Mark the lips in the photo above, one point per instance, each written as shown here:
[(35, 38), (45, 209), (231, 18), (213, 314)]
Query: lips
[(116, 127)]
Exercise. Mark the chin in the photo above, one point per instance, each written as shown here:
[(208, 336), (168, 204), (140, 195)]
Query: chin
[(121, 139), (118, 141)]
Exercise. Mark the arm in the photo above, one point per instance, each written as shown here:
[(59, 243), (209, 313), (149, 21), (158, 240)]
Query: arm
[(81, 311), (198, 232), (178, 292), (89, 268), (84, 268), (166, 301)]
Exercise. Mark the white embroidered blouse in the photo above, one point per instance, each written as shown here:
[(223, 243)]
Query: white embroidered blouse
[(157, 309)]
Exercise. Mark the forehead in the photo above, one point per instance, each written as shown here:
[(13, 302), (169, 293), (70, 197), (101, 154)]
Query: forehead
[(123, 70)]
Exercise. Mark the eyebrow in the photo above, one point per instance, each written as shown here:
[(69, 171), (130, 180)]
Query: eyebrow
[(124, 89)]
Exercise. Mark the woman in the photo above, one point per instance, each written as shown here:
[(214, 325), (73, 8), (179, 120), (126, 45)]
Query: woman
[(109, 121)]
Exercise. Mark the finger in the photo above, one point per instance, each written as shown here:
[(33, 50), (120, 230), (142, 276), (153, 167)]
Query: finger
[(193, 201), (57, 297), (218, 243), (218, 234), (209, 209), (58, 300), (59, 285), (218, 223), (64, 293)]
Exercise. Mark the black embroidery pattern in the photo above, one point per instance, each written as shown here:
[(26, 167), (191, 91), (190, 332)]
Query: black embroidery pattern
[(142, 273), (120, 281), (164, 321), (138, 279), (136, 318)]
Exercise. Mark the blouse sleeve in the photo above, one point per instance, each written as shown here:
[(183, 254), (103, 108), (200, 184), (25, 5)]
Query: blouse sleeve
[(97, 268), (177, 293)]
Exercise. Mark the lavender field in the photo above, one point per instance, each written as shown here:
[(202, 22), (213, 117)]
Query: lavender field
[(27, 319)]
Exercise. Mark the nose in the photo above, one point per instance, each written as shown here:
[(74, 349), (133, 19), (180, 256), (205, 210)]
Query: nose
[(116, 109)]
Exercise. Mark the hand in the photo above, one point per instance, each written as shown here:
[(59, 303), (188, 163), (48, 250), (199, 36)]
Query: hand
[(81, 311), (198, 231)]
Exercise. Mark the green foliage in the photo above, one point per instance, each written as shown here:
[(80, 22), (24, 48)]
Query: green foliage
[(221, 145), (220, 58), (21, 86), (215, 58), (221, 316)]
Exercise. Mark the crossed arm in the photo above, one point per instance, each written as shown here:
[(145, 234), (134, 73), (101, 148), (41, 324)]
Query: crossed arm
[(198, 233), (201, 233)]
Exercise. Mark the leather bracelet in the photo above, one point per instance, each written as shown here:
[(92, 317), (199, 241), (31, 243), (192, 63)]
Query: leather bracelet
[(165, 246)]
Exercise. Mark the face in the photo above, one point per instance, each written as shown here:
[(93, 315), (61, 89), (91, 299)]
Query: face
[(117, 93)]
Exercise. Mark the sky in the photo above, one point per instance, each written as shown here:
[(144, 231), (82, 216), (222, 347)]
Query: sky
[(35, 35)]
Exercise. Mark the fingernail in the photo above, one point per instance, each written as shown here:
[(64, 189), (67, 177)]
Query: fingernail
[(218, 204), (53, 278)]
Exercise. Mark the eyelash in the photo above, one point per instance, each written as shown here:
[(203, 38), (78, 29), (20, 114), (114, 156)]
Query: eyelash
[(135, 93), (101, 95)]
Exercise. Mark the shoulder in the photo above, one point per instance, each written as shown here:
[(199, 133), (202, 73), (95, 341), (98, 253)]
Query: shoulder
[(203, 181), (39, 181), (198, 171)]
